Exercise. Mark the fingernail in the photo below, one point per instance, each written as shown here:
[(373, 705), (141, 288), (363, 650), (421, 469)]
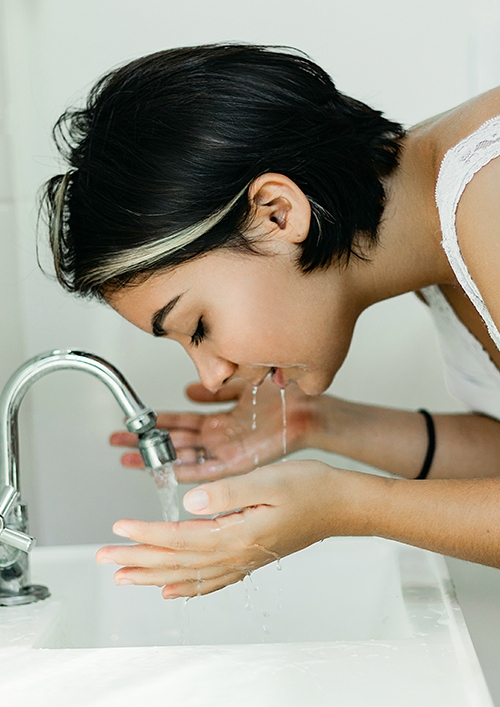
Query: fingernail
[(196, 500), (105, 561), (122, 582), (121, 532)]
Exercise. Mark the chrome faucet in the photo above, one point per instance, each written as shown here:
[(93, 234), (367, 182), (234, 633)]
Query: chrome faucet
[(155, 446)]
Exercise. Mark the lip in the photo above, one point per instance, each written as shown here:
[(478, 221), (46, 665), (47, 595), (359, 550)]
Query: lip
[(278, 377), (261, 380)]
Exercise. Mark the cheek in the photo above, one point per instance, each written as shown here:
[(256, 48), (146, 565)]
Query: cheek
[(251, 322), (265, 320)]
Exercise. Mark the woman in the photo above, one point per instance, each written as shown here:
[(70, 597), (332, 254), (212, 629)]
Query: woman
[(230, 198)]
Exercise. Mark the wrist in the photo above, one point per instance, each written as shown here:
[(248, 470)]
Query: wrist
[(308, 418), (357, 502), (332, 423)]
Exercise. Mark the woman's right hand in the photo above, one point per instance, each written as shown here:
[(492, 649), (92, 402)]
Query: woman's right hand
[(212, 446)]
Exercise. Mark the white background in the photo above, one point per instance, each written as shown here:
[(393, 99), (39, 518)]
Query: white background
[(410, 58)]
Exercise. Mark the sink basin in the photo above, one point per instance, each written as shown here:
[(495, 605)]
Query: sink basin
[(285, 605), (360, 621)]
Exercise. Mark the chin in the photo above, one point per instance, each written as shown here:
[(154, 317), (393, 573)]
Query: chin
[(313, 386)]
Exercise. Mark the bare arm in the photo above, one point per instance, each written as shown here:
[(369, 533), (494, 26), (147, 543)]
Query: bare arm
[(386, 438), (467, 445), (460, 518)]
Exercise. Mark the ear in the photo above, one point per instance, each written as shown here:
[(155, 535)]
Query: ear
[(281, 209)]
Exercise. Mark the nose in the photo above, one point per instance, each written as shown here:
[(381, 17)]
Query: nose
[(213, 370)]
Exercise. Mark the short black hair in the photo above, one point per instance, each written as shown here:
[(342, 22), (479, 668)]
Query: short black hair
[(169, 140)]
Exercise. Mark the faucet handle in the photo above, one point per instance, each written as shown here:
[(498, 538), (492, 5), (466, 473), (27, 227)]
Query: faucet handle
[(15, 538)]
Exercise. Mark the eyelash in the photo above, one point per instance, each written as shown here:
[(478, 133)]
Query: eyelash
[(199, 334)]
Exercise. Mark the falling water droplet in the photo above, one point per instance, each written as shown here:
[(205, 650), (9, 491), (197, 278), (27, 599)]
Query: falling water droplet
[(248, 603), (184, 620), (254, 407), (250, 579)]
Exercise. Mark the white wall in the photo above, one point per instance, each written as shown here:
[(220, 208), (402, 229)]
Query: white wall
[(411, 58)]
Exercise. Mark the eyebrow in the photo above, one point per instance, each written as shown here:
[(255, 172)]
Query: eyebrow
[(158, 317)]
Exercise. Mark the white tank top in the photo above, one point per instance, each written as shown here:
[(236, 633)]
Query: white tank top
[(471, 376)]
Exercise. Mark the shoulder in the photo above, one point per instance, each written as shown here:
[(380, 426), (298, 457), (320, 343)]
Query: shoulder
[(446, 130), (478, 232)]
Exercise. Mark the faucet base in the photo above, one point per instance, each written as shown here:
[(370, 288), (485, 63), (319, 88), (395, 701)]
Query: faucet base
[(26, 595)]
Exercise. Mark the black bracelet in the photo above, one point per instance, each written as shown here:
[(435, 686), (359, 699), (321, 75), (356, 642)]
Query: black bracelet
[(431, 445)]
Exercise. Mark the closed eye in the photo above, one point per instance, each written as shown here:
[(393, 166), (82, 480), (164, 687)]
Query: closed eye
[(200, 333)]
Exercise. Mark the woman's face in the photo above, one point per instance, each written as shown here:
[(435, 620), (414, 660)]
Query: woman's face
[(247, 316)]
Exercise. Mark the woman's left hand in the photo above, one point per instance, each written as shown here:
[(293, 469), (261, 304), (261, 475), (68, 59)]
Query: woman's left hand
[(276, 510)]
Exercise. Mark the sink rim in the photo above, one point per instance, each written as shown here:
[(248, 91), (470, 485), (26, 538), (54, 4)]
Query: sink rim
[(421, 570)]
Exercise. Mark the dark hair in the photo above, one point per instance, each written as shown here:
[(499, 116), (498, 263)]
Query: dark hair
[(169, 144)]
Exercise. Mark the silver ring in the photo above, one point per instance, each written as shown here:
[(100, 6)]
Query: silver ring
[(201, 454)]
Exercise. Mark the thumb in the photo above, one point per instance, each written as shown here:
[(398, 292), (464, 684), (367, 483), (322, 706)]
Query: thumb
[(231, 494)]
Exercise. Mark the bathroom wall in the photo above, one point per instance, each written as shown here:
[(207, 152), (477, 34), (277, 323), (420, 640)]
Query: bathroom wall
[(11, 338), (411, 58), (12, 348)]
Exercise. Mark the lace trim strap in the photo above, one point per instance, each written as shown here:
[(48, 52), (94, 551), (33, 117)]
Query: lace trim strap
[(458, 167)]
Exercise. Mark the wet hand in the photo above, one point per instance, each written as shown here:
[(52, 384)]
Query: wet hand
[(275, 511), (216, 445)]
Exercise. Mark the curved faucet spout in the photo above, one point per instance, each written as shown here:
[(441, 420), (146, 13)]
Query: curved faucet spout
[(140, 419), (155, 445)]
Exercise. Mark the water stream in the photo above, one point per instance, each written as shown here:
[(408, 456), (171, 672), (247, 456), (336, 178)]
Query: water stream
[(254, 419), (167, 488), (254, 407), (166, 483)]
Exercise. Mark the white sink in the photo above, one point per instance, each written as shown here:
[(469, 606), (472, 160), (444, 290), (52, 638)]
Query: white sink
[(350, 621), (356, 597)]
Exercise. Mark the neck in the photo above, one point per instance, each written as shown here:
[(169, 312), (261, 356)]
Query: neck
[(409, 254)]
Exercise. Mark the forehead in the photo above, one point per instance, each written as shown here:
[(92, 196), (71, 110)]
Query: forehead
[(204, 271), (136, 301), (202, 277)]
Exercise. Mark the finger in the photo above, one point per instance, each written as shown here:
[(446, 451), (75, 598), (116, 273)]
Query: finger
[(176, 567), (189, 535), (185, 438), (188, 456), (229, 391), (192, 589), (191, 584), (174, 588), (123, 439), (251, 489), (186, 467), (199, 473), (138, 556), (181, 436), (179, 420), (132, 460)]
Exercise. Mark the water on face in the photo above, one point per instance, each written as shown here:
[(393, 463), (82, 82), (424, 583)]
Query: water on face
[(166, 483)]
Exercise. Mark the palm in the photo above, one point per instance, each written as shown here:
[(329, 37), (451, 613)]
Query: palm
[(234, 442)]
